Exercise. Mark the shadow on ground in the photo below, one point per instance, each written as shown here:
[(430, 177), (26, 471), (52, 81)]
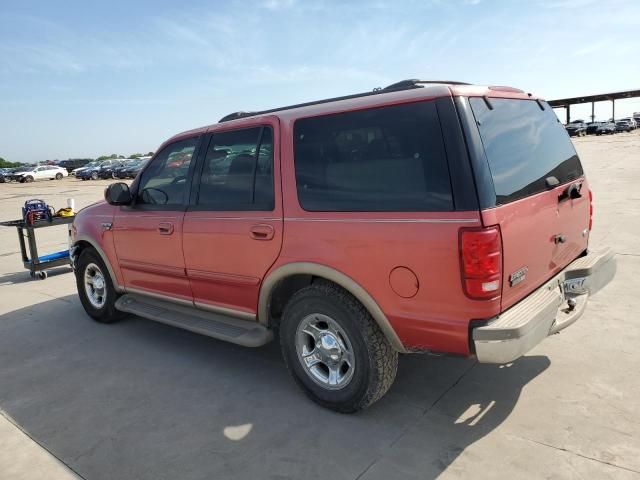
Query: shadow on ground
[(142, 400), (23, 276)]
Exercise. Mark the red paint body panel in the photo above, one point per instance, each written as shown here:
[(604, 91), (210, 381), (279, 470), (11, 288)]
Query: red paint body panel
[(225, 264), (88, 224), (148, 259), (528, 227), (225, 261), (367, 246)]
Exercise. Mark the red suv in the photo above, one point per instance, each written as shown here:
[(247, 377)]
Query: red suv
[(423, 217)]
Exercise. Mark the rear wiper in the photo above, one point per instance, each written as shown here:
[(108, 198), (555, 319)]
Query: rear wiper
[(551, 182)]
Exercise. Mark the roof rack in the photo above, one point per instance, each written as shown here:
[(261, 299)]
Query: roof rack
[(402, 85), (415, 83)]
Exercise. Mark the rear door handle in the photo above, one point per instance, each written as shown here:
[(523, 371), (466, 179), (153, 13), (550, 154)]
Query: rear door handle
[(165, 228), (262, 232)]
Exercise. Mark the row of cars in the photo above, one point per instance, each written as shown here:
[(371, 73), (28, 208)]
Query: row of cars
[(127, 168), (579, 128), (117, 169), (31, 173)]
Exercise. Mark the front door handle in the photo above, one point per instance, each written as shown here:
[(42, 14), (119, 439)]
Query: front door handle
[(165, 228), (262, 232)]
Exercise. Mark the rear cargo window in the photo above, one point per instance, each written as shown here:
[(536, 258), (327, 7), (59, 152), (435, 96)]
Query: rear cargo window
[(382, 159), (524, 145)]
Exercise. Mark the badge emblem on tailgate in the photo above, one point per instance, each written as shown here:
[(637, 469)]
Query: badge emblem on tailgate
[(518, 276)]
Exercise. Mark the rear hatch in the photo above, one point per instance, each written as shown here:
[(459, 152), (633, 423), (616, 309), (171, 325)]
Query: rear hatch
[(542, 197)]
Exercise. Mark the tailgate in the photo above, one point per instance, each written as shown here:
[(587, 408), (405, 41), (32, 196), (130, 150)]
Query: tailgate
[(542, 198), (540, 236)]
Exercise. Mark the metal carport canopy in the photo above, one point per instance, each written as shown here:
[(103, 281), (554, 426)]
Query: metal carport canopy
[(613, 96)]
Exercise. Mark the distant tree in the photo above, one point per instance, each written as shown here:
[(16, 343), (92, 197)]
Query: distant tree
[(136, 155), (149, 154), (6, 164)]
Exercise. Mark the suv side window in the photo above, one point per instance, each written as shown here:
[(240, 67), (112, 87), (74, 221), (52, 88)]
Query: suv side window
[(164, 181), (237, 173), (380, 159)]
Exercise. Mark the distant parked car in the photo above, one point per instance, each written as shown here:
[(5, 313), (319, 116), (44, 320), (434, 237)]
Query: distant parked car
[(623, 126), (108, 171), (72, 164), (606, 128), (93, 172), (631, 121), (13, 174), (132, 169), (577, 128), (42, 172), (129, 162), (592, 127), (75, 171), (4, 174)]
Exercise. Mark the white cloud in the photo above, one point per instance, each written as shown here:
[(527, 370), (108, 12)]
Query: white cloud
[(277, 4)]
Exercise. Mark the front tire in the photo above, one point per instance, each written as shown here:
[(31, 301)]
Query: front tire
[(334, 350), (94, 176), (59, 176), (95, 288)]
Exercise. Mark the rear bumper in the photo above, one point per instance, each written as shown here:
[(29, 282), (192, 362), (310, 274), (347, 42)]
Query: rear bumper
[(549, 309)]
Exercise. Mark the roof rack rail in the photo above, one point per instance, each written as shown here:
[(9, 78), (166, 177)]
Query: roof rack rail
[(235, 115), (415, 83), (402, 85)]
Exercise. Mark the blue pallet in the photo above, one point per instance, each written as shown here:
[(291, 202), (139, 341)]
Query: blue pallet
[(53, 256)]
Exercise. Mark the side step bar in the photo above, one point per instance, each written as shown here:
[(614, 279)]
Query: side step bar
[(222, 327)]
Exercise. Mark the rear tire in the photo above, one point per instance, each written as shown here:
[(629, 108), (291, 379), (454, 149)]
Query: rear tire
[(95, 288), (334, 350)]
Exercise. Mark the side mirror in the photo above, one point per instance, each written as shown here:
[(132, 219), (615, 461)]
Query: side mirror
[(118, 194)]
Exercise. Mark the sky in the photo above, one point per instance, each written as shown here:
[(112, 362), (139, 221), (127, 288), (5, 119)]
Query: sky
[(90, 78)]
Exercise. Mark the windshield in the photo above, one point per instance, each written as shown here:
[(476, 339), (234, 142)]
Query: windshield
[(524, 145)]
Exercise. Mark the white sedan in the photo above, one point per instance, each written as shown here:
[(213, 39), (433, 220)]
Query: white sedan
[(43, 172)]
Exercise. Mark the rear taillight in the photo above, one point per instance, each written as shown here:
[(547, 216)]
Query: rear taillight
[(590, 210), (481, 261)]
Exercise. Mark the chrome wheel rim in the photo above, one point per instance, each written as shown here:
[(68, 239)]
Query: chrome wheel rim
[(325, 351), (95, 285)]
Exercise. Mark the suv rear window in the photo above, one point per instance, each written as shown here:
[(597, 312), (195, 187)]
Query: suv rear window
[(381, 159), (524, 145)]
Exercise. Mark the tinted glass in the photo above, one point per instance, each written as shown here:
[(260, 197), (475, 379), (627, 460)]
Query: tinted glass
[(238, 171), (165, 181), (524, 145), (383, 159)]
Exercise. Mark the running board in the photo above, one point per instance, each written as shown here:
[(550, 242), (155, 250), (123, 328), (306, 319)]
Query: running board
[(241, 332)]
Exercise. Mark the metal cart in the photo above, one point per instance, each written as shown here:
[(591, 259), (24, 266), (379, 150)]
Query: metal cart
[(36, 265)]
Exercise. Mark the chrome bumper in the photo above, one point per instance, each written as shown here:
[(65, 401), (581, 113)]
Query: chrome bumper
[(547, 310)]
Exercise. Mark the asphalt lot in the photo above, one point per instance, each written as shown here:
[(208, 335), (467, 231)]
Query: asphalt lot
[(142, 400)]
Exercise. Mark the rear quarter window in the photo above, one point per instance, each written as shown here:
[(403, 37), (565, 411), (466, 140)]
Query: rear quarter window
[(381, 159), (524, 146)]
